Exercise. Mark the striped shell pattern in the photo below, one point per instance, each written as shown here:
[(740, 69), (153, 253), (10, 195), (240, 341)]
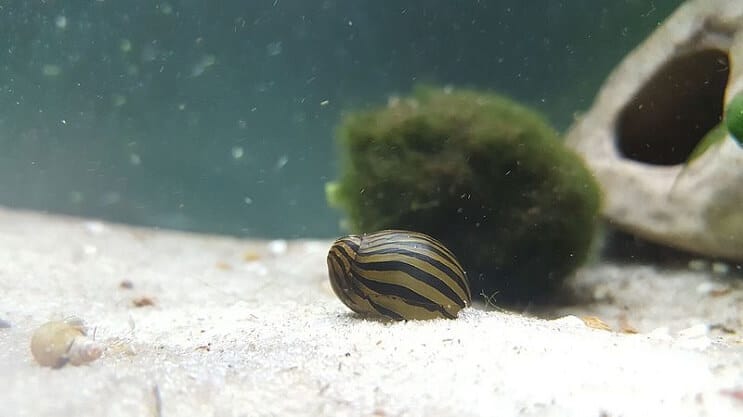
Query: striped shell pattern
[(398, 275)]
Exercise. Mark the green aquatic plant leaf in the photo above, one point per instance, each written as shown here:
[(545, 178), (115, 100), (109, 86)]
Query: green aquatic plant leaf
[(734, 118), (712, 140)]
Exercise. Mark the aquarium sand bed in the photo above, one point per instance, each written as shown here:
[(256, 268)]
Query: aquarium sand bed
[(197, 325)]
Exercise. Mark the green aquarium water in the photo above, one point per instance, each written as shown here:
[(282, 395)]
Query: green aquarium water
[(222, 116)]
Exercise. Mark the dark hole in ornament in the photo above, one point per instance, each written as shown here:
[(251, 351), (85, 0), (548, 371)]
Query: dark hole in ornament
[(673, 111)]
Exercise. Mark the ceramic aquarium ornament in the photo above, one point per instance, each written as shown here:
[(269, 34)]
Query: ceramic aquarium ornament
[(665, 133)]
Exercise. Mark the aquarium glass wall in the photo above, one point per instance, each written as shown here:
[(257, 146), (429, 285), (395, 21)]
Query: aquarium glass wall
[(221, 116)]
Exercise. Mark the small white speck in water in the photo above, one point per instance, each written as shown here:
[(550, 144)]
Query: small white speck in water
[(274, 48), (237, 152), (281, 162), (94, 227), (277, 247), (166, 8), (125, 45), (61, 22)]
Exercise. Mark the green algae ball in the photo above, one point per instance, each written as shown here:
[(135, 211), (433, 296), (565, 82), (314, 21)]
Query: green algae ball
[(481, 173), (734, 118)]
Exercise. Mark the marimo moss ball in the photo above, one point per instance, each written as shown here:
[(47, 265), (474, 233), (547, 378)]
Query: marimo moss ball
[(484, 175)]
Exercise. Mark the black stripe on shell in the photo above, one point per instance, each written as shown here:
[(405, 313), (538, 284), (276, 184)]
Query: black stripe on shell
[(414, 273), (430, 279), (399, 238)]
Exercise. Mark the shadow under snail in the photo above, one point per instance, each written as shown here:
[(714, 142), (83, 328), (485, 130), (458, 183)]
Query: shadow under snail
[(399, 275)]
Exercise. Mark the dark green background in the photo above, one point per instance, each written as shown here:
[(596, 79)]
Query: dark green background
[(146, 136)]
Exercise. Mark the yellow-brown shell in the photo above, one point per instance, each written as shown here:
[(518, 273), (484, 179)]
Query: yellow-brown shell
[(399, 275), (58, 343)]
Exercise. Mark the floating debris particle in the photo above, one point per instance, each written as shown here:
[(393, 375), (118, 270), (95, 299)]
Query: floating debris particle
[(60, 22), (166, 8), (251, 256), (94, 227), (281, 162), (274, 48), (126, 285), (118, 100), (51, 70), (237, 152), (595, 323), (204, 63), (58, 343), (125, 45), (143, 301), (224, 266), (248, 200), (277, 247)]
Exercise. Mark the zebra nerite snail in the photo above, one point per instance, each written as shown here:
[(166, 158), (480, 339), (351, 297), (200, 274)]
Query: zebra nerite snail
[(399, 275)]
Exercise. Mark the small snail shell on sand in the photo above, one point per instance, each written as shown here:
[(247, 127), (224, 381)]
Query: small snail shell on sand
[(58, 343)]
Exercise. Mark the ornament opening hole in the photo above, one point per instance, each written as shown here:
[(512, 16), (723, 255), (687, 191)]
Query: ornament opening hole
[(676, 107)]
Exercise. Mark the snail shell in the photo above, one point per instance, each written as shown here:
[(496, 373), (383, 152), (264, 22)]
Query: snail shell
[(58, 343), (399, 275)]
